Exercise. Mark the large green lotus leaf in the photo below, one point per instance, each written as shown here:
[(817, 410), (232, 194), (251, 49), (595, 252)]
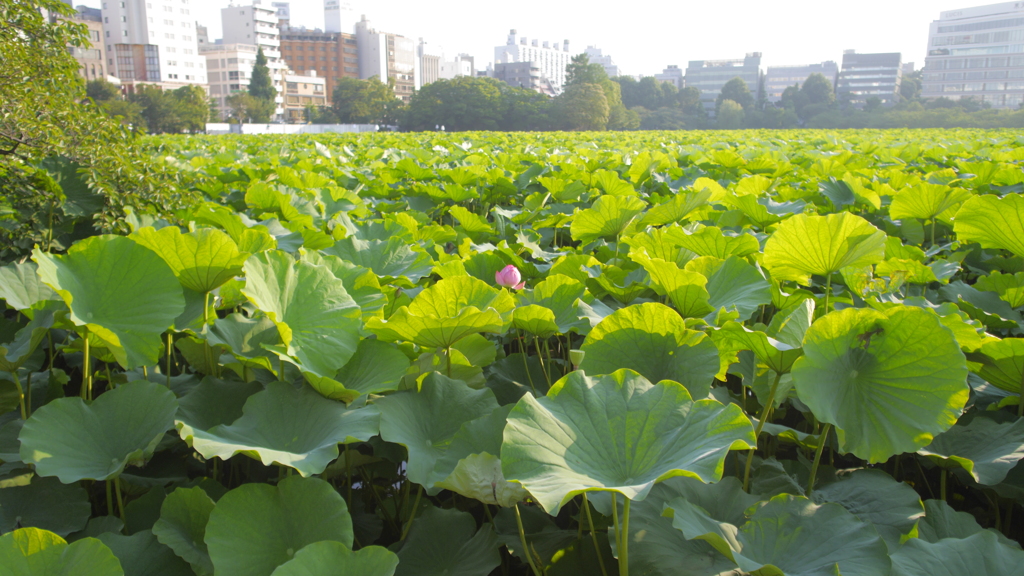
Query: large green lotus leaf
[(375, 367), (471, 465), (202, 260), (986, 307), (182, 527), (980, 554), (889, 381), (941, 521), (687, 289), (245, 338), (123, 292), (992, 222), (318, 321), (44, 503), (142, 555), (1002, 363), (662, 243), (733, 337), (711, 241), (21, 287), (451, 309), (617, 433), (15, 353), (925, 201), (211, 403), (73, 441), (876, 498), (607, 217), (804, 245), (559, 294), (361, 283), (652, 339), (535, 319), (257, 527), (289, 426), (447, 543), (35, 552), (389, 258), (984, 448), (426, 421), (676, 209), (336, 559), (657, 548), (732, 284), (1010, 287), (791, 536)]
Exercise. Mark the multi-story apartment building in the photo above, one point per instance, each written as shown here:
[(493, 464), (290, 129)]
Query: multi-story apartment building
[(977, 52), (430, 57), (302, 90), (389, 57), (551, 58), (152, 42), (709, 76), (332, 55), (673, 75), (92, 59), (597, 57), (229, 69), (778, 78), (523, 75), (865, 76), (461, 65), (257, 25)]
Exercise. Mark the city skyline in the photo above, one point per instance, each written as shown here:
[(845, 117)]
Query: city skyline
[(639, 44)]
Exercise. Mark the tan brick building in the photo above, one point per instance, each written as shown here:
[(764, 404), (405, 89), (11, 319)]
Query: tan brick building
[(333, 55)]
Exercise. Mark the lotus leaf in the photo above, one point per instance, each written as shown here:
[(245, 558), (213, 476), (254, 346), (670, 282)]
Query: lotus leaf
[(447, 543), (804, 245), (142, 555), (44, 503), (892, 507), (980, 553), (984, 448), (992, 222), (182, 527), (335, 558), (35, 552), (202, 260), (607, 217)]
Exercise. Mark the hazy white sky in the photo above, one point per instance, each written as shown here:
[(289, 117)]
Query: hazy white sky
[(643, 37)]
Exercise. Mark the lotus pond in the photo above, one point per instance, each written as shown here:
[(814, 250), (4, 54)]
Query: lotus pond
[(665, 354)]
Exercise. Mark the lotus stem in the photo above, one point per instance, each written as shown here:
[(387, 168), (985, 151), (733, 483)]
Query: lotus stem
[(145, 372), (526, 365), (593, 535), (110, 498), (540, 358), (933, 230), (817, 458), (624, 550), (170, 344), (49, 339), (86, 368), (412, 515), (942, 485), (765, 410), (120, 499), (615, 523), (21, 394), (522, 540), (448, 359), (206, 343), (828, 292)]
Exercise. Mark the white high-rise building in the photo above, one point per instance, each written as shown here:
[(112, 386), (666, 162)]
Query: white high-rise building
[(339, 17), (388, 57), (977, 52), (461, 65), (152, 42), (597, 57), (230, 69), (257, 25), (550, 57)]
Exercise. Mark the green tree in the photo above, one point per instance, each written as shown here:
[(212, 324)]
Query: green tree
[(260, 84), (581, 71), (101, 90), (583, 107), (193, 108), (649, 93), (629, 88), (159, 109), (525, 109), (689, 102), (463, 103), (910, 86), (246, 108), (730, 115), (366, 102), (737, 91), (818, 90)]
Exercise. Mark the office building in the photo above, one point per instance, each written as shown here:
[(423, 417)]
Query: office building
[(523, 75), (152, 43), (430, 57), (597, 57), (551, 58), (229, 69), (461, 65), (302, 90), (778, 78), (709, 76), (673, 75), (92, 59), (977, 52), (257, 25), (339, 17), (284, 14), (388, 57), (332, 55), (866, 76)]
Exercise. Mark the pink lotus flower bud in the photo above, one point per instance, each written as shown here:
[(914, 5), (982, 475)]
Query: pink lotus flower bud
[(509, 277)]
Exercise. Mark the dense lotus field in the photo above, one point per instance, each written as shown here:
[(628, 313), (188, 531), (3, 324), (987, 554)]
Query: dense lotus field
[(672, 354)]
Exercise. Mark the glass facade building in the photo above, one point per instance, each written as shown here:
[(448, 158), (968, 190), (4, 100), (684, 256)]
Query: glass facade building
[(979, 53), (865, 76), (709, 76), (778, 78)]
